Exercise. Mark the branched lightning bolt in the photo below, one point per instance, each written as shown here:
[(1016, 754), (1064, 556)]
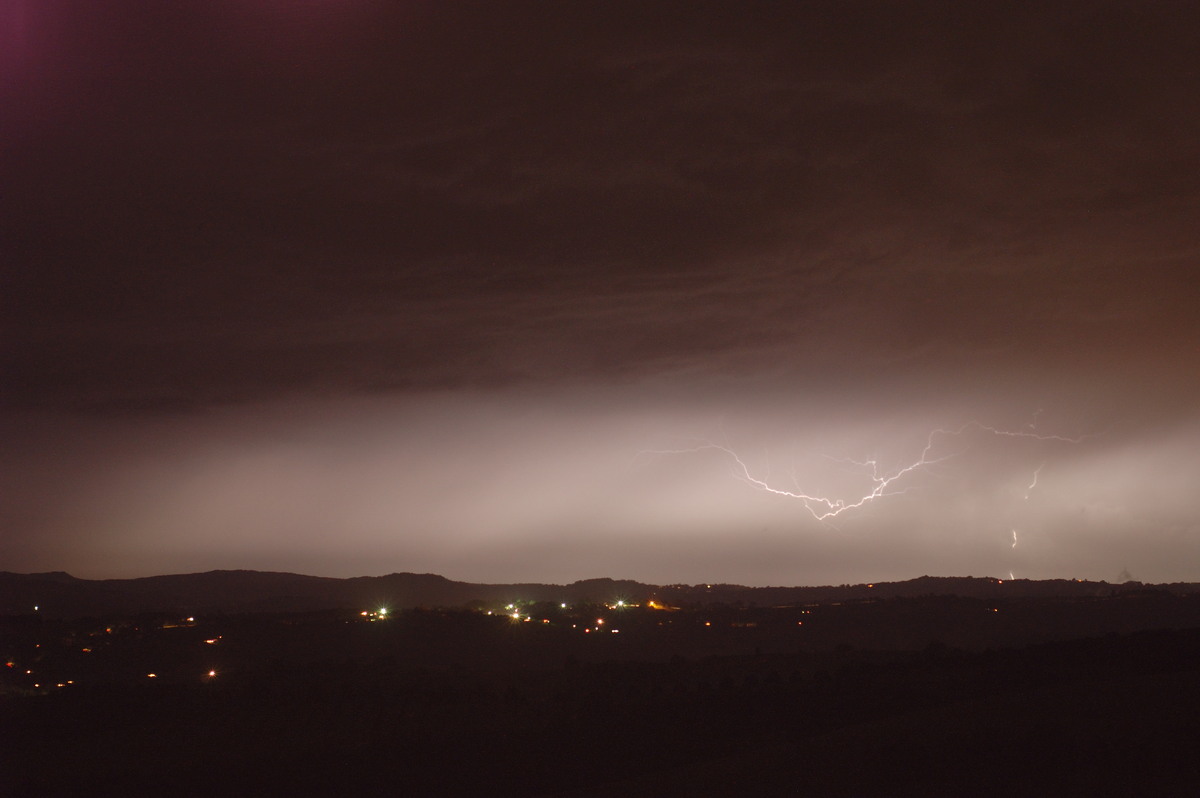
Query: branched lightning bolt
[(823, 508)]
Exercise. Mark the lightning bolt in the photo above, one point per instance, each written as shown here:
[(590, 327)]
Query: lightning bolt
[(823, 508), (1033, 484), (1014, 534)]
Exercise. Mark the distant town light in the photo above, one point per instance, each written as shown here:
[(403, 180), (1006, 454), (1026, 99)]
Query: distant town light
[(151, 675), (383, 611), (212, 673)]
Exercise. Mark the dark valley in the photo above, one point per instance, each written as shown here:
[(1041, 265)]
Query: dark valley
[(598, 688)]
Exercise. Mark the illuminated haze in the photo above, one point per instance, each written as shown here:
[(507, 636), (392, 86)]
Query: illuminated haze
[(349, 288)]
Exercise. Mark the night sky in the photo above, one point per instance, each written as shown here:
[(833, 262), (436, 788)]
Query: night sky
[(347, 288)]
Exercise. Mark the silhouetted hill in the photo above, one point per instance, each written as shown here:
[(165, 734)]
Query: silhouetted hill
[(58, 594)]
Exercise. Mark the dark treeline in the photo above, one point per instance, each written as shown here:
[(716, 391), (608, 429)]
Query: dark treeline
[(60, 595)]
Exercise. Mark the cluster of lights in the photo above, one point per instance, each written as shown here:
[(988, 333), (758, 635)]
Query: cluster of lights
[(515, 612), (380, 614), (600, 624), (211, 673)]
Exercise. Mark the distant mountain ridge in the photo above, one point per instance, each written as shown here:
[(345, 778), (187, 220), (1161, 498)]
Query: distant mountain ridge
[(58, 594)]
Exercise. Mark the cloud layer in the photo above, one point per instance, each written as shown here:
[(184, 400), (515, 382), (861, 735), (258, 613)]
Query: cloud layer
[(827, 222)]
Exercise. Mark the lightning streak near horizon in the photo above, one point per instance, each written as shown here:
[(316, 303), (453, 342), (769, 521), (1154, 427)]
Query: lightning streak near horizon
[(823, 508)]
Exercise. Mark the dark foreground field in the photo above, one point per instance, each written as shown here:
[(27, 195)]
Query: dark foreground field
[(703, 701)]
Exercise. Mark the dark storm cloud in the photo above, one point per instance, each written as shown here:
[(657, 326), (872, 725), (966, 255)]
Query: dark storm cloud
[(437, 272), (210, 203)]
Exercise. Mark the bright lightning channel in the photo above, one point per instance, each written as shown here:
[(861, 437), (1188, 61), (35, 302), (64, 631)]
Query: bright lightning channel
[(1033, 484), (824, 508)]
